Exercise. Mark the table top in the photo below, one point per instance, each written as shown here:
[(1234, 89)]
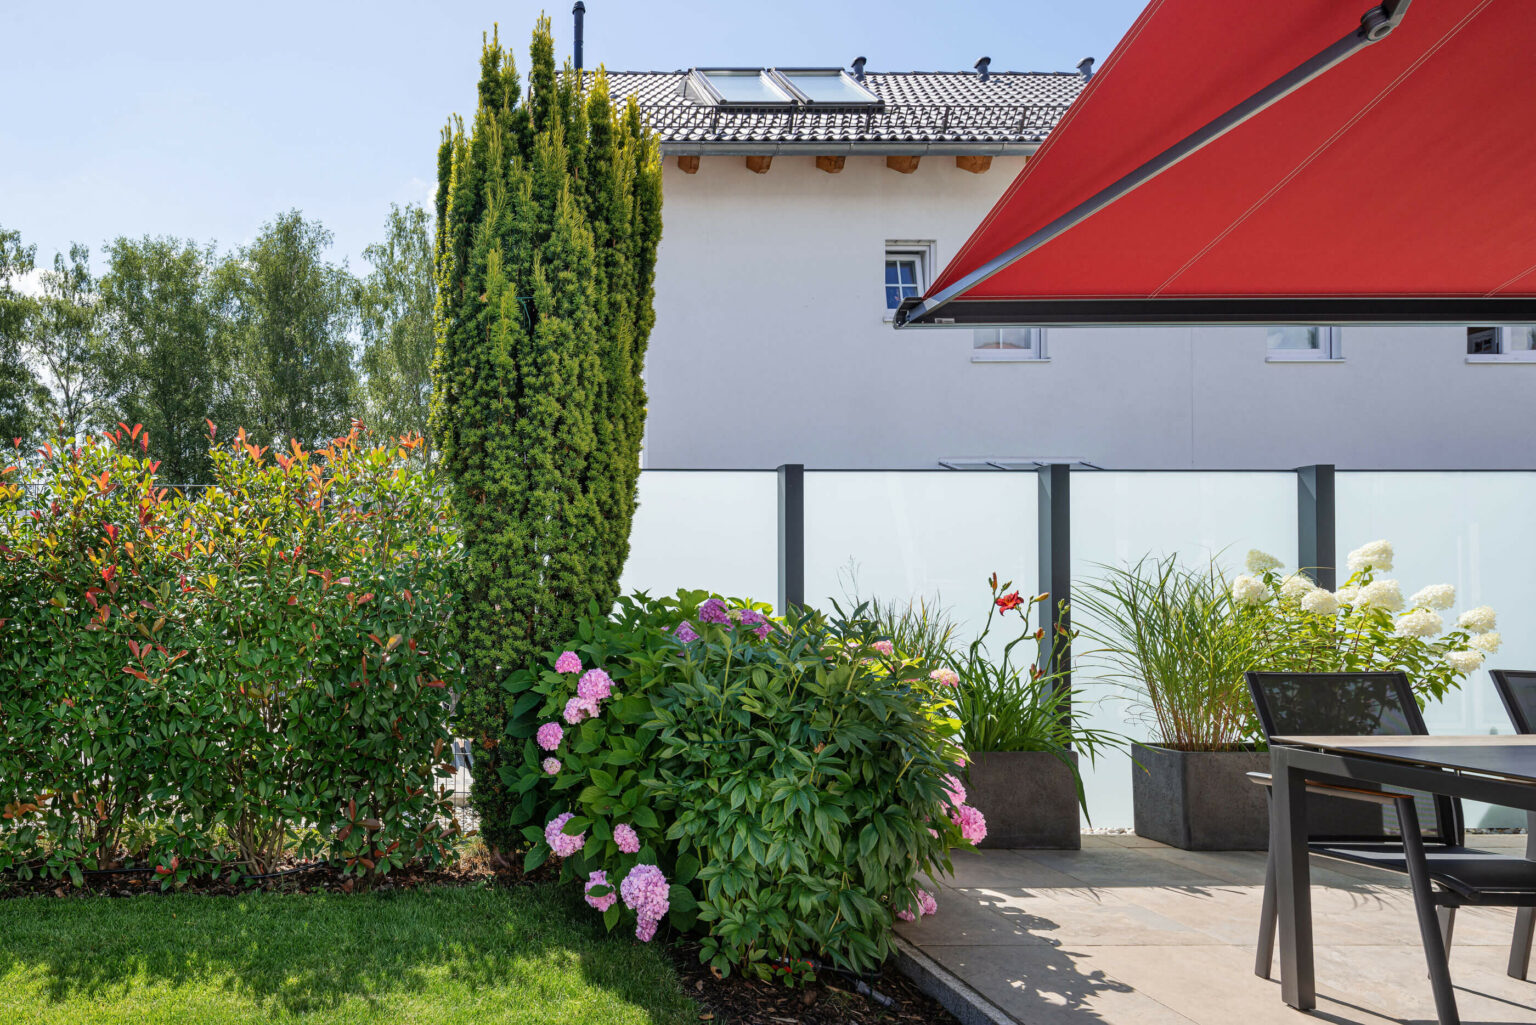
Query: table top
[(1510, 756)]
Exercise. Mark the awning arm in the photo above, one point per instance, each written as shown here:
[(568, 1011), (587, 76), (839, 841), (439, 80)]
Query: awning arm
[(1375, 25)]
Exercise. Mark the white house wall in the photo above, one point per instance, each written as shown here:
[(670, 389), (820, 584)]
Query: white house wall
[(770, 346)]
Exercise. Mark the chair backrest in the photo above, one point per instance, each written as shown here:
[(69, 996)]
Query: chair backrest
[(1517, 689), (1371, 704)]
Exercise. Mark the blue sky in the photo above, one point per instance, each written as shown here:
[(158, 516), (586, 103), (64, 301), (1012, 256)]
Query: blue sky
[(202, 120)]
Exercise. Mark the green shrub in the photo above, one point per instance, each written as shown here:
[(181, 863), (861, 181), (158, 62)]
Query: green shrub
[(790, 780), (216, 682)]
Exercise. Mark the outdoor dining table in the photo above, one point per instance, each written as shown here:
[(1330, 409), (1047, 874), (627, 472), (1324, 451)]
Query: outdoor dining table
[(1494, 769)]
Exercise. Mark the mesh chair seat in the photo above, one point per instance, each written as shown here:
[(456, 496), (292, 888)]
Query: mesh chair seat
[(1475, 875)]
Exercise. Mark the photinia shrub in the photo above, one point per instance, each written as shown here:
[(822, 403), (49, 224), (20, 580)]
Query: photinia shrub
[(247, 674), (777, 785)]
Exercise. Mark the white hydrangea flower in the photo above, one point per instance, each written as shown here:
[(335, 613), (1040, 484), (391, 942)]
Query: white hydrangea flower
[(1435, 596), (1382, 594), (1479, 620), (1296, 585), (1349, 594), (1464, 661), (1322, 602), (1376, 555), (1261, 562), (1489, 642), (1248, 590), (1420, 623)]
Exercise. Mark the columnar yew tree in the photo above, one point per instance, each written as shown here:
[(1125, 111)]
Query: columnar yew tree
[(548, 215)]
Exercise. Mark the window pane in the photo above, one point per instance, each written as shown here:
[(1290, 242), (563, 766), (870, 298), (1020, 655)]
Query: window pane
[(985, 338), (828, 87), (1520, 338), (1293, 337), (908, 272), (892, 296), (744, 87), (890, 272), (1482, 341), (1016, 338)]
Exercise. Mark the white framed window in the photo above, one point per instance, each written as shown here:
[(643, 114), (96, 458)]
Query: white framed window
[(907, 267), (1512, 343), (1305, 342), (1007, 344)]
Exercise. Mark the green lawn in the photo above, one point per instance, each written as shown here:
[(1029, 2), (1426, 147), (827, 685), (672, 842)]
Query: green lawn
[(474, 955)]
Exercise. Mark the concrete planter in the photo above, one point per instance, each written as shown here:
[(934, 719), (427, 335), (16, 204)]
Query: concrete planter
[(1029, 799), (1200, 800)]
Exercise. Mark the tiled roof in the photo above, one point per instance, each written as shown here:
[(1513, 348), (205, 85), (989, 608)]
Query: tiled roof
[(925, 107)]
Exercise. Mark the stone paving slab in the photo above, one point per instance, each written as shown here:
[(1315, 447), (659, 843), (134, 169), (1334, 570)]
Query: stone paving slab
[(1130, 932)]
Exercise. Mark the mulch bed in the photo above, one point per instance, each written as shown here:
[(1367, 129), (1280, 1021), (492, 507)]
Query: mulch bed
[(831, 1000)]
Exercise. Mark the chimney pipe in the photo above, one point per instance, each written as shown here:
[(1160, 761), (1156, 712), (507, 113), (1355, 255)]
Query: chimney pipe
[(1085, 66), (982, 66), (580, 13), (858, 68)]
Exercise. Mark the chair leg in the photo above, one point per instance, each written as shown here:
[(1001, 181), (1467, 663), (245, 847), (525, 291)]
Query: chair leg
[(1269, 917), (1520, 947), (1429, 920), (1447, 928)]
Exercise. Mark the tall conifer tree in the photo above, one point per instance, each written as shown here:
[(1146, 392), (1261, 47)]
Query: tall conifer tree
[(548, 217)]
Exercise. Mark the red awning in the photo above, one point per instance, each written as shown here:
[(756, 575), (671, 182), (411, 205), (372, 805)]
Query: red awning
[(1390, 181)]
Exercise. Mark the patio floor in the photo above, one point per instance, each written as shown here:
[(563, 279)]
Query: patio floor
[(1130, 932)]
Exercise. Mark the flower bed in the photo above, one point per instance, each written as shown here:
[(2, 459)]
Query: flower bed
[(778, 786)]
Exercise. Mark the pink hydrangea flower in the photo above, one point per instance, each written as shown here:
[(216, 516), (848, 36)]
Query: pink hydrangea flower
[(906, 916), (685, 632), (552, 766), (595, 686), (549, 736), (568, 662), (625, 836), (713, 611), (926, 905), (646, 893), (884, 647), (579, 708), (973, 825), (945, 677), (563, 844), (603, 903), (763, 631), (954, 790)]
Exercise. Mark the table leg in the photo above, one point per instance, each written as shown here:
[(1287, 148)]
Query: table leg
[(1293, 876)]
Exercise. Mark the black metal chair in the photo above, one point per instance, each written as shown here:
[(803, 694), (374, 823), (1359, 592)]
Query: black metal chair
[(1517, 689), (1415, 834)]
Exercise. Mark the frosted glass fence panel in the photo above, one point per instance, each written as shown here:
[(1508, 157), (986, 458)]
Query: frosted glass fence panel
[(1119, 517), (1472, 530), (716, 530), (904, 535)]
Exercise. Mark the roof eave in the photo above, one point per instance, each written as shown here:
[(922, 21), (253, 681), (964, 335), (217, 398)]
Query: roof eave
[(817, 147)]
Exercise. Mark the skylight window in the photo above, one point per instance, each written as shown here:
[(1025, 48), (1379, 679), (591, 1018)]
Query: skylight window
[(826, 87), (741, 86)]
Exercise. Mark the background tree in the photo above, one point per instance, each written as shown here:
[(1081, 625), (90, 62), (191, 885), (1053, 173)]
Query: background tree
[(548, 216), (395, 304), (65, 343), (159, 361), (22, 396), (287, 314)]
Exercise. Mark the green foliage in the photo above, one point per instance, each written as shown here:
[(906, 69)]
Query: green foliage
[(791, 780), (1356, 629), (256, 671), (286, 315), (548, 217), (1004, 706), (22, 397), (395, 303), (1171, 635), (66, 341), (160, 361)]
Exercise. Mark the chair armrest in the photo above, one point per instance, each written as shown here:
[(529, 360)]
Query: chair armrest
[(1264, 779)]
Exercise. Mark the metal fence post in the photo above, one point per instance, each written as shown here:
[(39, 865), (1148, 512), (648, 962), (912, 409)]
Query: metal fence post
[(791, 536), (1317, 554), (1055, 536)]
